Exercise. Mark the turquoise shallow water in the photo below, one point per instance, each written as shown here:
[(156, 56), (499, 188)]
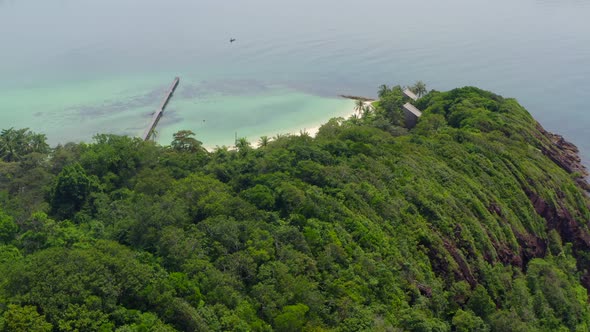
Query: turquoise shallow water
[(75, 68), (215, 110)]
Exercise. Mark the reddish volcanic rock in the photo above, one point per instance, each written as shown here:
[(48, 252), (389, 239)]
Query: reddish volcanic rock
[(564, 154)]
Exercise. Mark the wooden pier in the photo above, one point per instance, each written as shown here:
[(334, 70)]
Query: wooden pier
[(156, 118)]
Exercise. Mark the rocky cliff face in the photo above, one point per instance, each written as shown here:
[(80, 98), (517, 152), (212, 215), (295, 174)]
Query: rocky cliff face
[(564, 154)]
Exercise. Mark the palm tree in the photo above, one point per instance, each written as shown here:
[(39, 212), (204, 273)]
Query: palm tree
[(263, 141), (279, 136), (154, 134), (13, 144), (7, 145), (383, 90), (37, 143), (242, 145), (221, 153), (358, 105), (304, 133), (367, 109), (419, 88)]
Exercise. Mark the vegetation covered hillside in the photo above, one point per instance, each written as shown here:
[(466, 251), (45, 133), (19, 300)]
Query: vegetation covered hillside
[(472, 221)]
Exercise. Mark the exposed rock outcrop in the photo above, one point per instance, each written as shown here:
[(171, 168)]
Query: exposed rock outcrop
[(570, 230), (564, 154), (557, 216)]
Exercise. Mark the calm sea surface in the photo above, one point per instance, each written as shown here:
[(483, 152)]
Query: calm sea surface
[(74, 68)]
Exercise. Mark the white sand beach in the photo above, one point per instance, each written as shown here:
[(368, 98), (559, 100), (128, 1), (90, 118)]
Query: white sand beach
[(313, 130)]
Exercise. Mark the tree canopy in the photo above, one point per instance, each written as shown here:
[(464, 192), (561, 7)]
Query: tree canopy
[(464, 223)]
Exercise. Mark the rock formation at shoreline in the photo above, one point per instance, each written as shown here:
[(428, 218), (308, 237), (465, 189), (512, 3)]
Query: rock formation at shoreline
[(566, 155)]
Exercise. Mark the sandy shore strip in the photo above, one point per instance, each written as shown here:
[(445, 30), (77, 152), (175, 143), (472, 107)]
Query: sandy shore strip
[(313, 129)]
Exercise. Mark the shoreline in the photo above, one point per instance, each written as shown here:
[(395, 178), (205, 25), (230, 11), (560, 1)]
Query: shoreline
[(562, 152), (314, 129)]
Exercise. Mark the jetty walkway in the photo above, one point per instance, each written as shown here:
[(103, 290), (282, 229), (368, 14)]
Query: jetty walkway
[(156, 118)]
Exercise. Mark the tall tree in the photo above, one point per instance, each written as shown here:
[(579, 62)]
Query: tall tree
[(71, 191), (13, 144), (419, 88), (392, 103), (37, 143), (16, 143), (263, 141), (383, 90), (355, 119), (358, 105), (366, 112), (243, 145), (185, 142)]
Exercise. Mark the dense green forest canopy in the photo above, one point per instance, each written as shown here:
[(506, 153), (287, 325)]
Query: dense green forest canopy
[(463, 223)]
